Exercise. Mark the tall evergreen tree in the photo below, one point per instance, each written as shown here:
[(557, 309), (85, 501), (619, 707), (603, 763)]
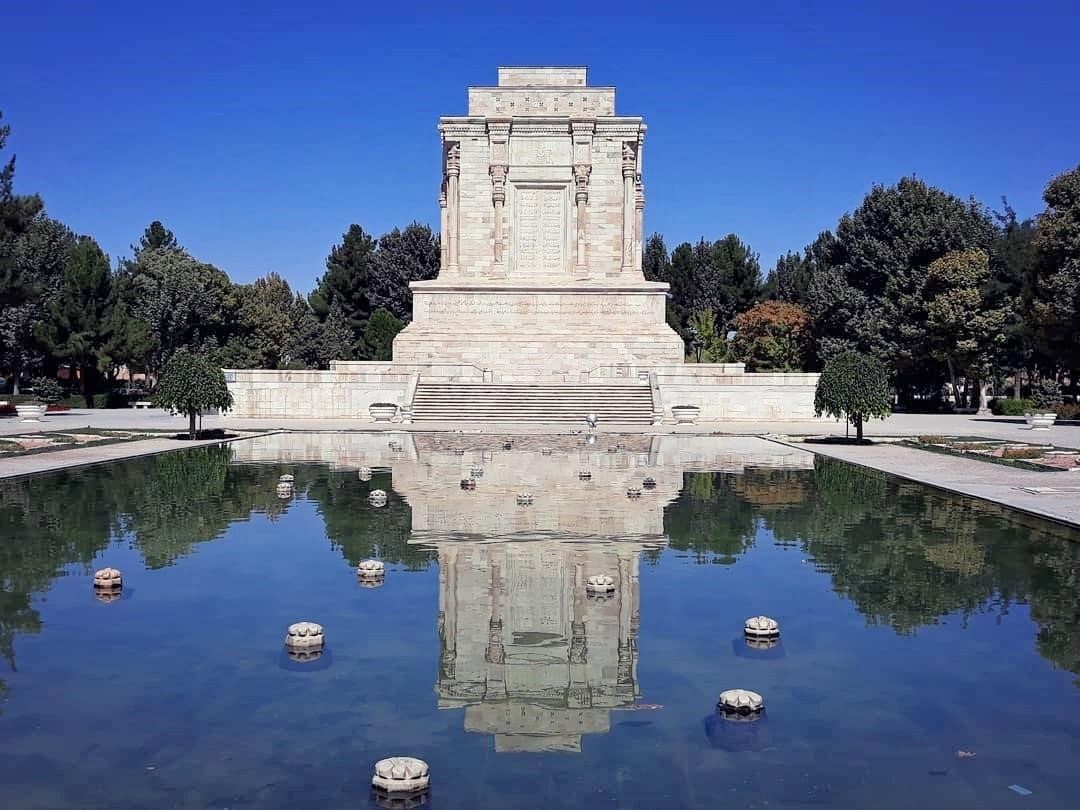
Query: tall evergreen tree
[(347, 281), (338, 339), (75, 328), (655, 261), (16, 215), (402, 256), (40, 253)]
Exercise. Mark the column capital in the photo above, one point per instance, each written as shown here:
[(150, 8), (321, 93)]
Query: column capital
[(453, 158), (629, 159)]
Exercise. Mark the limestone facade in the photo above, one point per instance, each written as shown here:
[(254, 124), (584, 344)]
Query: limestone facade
[(542, 216)]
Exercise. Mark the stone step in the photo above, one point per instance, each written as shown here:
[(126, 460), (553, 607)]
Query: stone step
[(626, 403)]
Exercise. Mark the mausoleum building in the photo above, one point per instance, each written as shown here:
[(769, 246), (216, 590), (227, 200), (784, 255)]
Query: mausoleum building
[(540, 309)]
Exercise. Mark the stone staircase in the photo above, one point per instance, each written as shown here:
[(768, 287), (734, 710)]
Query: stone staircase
[(565, 403)]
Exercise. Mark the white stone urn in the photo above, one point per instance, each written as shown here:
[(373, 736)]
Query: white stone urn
[(377, 497), (401, 775), (304, 636), (286, 479), (685, 414), (30, 413), (761, 627), (364, 473), (382, 411), (1040, 421), (109, 579), (284, 490), (740, 701), (371, 569)]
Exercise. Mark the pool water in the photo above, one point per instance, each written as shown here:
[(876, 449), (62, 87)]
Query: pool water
[(929, 653)]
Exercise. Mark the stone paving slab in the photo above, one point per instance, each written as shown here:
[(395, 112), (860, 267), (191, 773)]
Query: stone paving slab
[(1053, 495), (1010, 428), (87, 455)]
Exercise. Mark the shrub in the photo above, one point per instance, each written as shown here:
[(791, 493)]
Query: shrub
[(931, 439), (1010, 407), (47, 390), (1069, 410), (1022, 452), (190, 384), (1046, 395), (855, 386)]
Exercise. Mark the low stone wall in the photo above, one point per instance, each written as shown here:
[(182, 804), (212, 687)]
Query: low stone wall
[(334, 394), (725, 393)]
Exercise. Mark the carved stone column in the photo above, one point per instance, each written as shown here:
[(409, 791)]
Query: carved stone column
[(453, 199), (498, 131), (629, 173), (582, 131), (581, 198), (498, 199), (443, 233), (639, 221)]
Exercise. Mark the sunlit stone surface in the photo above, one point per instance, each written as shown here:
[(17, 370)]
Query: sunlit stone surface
[(108, 579), (401, 774), (304, 636), (761, 627), (740, 701)]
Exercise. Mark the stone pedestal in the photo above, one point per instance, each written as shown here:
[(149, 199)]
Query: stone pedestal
[(553, 331)]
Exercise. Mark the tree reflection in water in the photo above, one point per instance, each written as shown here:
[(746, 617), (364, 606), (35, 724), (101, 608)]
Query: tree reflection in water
[(905, 556)]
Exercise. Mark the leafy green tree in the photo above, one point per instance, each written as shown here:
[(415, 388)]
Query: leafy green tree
[(262, 328), (16, 215), (40, 253), (402, 256), (1010, 289), (963, 331), (190, 384), (871, 295), (772, 336), (347, 282), (854, 386), (185, 303), (655, 261), (380, 332), (75, 329), (706, 345), (1057, 290)]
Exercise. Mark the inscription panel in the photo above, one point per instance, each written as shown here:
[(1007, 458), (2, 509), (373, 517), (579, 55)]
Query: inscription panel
[(571, 308), (540, 231)]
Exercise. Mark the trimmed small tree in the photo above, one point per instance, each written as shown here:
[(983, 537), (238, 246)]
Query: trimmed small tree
[(190, 384), (854, 386)]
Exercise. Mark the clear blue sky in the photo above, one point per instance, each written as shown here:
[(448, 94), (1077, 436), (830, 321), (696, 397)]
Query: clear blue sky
[(258, 131)]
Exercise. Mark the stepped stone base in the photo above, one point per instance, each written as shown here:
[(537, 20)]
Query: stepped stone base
[(557, 332), (623, 404)]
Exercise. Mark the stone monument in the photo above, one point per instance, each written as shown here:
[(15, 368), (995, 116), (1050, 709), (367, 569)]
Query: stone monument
[(540, 312), (541, 210)]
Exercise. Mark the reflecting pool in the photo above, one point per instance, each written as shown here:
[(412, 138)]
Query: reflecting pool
[(929, 654)]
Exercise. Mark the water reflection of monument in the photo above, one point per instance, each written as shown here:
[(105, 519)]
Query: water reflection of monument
[(534, 661)]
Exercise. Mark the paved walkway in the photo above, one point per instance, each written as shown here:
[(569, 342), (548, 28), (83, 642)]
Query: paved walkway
[(896, 425), (87, 455), (1053, 495)]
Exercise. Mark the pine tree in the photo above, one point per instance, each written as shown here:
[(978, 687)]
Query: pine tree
[(75, 328)]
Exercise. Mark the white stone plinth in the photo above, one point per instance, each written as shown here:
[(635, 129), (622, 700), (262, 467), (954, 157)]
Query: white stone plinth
[(401, 774)]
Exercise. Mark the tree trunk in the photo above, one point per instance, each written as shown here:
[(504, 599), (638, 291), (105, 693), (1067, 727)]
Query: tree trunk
[(857, 419), (1017, 373), (955, 388), (191, 424)]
